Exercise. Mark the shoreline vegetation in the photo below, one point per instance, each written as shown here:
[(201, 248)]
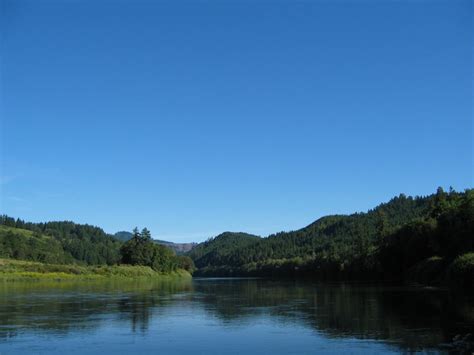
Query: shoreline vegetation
[(20, 270)]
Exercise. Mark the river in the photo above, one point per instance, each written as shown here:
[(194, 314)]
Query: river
[(227, 316)]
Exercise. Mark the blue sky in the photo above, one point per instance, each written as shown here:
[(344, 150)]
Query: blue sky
[(193, 118)]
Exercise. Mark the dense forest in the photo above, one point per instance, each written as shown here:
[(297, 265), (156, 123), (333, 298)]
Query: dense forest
[(70, 243), (428, 239)]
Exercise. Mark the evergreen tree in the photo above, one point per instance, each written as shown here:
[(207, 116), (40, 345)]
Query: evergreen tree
[(141, 250), (145, 234)]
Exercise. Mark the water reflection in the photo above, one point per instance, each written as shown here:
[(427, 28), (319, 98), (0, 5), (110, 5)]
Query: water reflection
[(408, 319), (60, 307), (413, 318)]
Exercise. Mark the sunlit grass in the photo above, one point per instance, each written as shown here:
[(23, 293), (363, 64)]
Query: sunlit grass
[(18, 270)]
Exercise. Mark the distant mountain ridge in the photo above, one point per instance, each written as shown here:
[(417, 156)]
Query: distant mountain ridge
[(179, 248)]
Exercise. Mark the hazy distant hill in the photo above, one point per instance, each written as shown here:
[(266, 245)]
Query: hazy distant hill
[(179, 248), (123, 236)]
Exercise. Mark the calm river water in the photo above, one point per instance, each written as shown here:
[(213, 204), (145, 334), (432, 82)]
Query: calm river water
[(227, 316)]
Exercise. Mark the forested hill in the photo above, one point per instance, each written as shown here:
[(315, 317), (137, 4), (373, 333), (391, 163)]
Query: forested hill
[(336, 234), (65, 242), (392, 240), (216, 251), (70, 242), (81, 244)]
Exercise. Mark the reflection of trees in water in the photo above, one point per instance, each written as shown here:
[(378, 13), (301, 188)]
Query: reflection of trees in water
[(60, 308), (137, 309), (140, 307), (411, 319)]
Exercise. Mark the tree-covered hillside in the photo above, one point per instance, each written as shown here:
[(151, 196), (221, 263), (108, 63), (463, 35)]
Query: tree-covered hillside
[(337, 235), (392, 241), (71, 243), (81, 243), (16, 243), (216, 251)]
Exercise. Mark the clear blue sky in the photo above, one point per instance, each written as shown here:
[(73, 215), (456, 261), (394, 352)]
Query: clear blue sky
[(192, 118)]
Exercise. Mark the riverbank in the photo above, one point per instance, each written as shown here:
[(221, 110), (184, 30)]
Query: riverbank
[(456, 275), (19, 270)]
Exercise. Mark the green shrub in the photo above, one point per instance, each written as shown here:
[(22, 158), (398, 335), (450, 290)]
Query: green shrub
[(461, 272)]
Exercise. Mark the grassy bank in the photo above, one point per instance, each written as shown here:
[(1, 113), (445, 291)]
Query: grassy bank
[(18, 270)]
